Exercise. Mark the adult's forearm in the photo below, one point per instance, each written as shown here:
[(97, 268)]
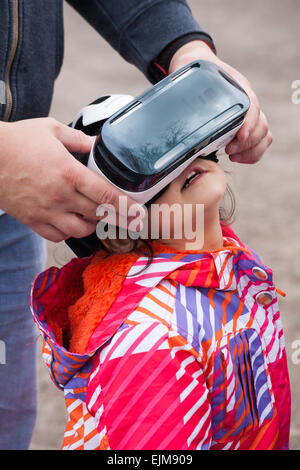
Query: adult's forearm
[(140, 29)]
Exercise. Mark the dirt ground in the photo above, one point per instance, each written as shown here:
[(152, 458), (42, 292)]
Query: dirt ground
[(261, 40)]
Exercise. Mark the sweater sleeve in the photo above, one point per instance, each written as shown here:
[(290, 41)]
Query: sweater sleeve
[(148, 391), (141, 29)]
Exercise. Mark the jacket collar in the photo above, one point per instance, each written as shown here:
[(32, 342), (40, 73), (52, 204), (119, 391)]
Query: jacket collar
[(215, 269)]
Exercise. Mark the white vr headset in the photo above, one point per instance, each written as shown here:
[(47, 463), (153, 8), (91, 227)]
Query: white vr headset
[(143, 143)]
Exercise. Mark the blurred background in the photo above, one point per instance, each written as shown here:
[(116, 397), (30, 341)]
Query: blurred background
[(261, 40)]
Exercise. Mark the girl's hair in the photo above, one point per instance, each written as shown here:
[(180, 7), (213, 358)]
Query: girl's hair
[(143, 247)]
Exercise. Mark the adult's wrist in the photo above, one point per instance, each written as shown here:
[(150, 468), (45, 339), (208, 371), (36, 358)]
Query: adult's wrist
[(195, 49), (159, 67)]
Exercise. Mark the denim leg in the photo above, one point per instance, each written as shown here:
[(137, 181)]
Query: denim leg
[(22, 256)]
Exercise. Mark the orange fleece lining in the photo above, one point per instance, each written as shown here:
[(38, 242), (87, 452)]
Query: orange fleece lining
[(101, 287)]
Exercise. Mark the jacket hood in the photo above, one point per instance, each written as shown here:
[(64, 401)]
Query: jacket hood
[(79, 307)]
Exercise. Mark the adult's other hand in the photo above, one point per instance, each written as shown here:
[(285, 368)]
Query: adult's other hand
[(254, 137), (43, 186)]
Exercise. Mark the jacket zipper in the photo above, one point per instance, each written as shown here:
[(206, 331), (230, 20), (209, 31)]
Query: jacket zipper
[(9, 103)]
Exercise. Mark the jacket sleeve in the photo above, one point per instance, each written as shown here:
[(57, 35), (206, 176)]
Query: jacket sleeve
[(148, 392), (140, 29)]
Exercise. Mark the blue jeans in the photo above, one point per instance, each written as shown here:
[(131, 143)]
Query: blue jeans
[(22, 256)]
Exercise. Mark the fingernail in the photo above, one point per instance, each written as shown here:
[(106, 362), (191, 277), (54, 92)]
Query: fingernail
[(235, 158)]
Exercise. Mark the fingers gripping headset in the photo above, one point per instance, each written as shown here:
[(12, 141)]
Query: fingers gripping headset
[(143, 143)]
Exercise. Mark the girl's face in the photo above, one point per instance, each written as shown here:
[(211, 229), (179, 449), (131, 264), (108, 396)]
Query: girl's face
[(202, 182)]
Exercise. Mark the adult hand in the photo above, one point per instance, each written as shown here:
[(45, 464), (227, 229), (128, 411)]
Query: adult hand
[(254, 137), (43, 186)]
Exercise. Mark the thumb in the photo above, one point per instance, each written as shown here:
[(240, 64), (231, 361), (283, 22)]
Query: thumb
[(74, 140)]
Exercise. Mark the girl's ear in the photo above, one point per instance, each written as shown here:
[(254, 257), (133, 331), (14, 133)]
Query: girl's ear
[(227, 209)]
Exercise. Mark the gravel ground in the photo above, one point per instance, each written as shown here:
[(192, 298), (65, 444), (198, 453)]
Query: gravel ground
[(259, 38)]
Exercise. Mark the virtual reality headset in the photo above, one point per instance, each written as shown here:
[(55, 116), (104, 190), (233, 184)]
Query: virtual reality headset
[(143, 143)]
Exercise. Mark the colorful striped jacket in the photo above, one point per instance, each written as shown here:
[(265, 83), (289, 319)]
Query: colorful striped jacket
[(188, 354)]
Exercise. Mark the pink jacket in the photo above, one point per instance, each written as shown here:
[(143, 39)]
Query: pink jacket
[(189, 354)]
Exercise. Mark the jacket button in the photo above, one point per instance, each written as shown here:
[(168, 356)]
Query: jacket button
[(264, 298), (259, 273)]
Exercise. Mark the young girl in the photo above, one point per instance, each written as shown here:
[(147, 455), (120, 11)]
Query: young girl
[(169, 348)]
